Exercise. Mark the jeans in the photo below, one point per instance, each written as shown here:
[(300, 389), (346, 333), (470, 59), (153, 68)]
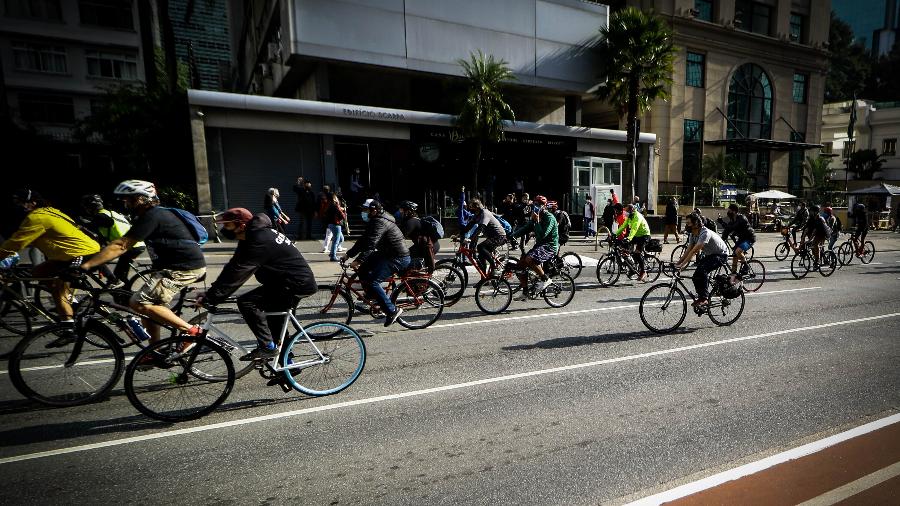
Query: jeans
[(254, 304), (338, 239), (486, 250), (589, 227), (377, 269), (706, 265)]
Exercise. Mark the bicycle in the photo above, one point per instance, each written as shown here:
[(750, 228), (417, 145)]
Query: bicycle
[(847, 250), (456, 276), (18, 312), (618, 260), (494, 294), (803, 261), (663, 306), (752, 274), (321, 359), (573, 263), (785, 247), (420, 297)]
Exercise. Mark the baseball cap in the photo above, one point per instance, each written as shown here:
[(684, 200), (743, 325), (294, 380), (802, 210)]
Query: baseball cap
[(235, 214), (371, 203)]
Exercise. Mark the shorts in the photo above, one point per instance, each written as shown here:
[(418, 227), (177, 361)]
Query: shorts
[(164, 285), (860, 233), (743, 245), (541, 253)]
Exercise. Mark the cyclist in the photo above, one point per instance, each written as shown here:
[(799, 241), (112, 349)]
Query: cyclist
[(739, 227), (109, 226), (715, 254), (424, 245), (546, 243), (59, 239), (708, 223), (282, 272), (563, 222), (486, 224), (816, 231), (834, 223), (861, 224), (177, 258), (381, 252), (798, 222), (638, 235)]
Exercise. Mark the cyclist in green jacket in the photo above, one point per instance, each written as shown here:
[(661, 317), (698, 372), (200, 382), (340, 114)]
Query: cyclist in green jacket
[(546, 237), (638, 235)]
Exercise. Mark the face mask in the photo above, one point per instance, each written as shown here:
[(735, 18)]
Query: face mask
[(536, 209), (365, 216), (398, 215), (228, 233)]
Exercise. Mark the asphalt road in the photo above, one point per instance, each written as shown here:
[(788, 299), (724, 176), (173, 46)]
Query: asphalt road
[(579, 405)]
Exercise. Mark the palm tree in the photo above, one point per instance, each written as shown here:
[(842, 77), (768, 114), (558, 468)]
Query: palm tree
[(637, 55), (815, 176), (865, 163), (718, 168), (484, 110)]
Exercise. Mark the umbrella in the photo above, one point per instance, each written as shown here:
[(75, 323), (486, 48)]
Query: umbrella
[(773, 194)]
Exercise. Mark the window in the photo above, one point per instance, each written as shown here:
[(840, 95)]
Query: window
[(39, 57), (800, 88), (849, 148), (696, 66), (112, 65), (40, 9), (827, 148), (108, 13), (750, 103), (692, 149), (703, 9), (46, 108), (796, 28), (752, 16), (889, 147)]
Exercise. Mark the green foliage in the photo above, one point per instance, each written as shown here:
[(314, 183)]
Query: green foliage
[(184, 72), (173, 196), (849, 63), (865, 163), (721, 168), (816, 178)]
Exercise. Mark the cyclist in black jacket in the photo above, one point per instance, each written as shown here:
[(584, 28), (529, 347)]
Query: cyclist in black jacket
[(798, 222), (739, 227), (382, 252), (281, 270)]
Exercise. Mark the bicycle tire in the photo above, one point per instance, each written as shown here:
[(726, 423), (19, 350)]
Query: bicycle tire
[(346, 347), (450, 279), (140, 276), (652, 268), (607, 270), (753, 279), (166, 371), (800, 265), (868, 253), (560, 292), (677, 253), (574, 263), (494, 290), (460, 267), (422, 303), (845, 253), (240, 368), (827, 263), (325, 305), (15, 324), (718, 305), (42, 298), (668, 298), (36, 371), (782, 250)]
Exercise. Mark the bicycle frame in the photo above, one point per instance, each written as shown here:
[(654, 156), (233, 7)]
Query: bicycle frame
[(355, 288)]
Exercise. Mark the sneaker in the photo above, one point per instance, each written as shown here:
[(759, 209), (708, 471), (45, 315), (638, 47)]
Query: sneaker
[(64, 337), (391, 318), (700, 303), (116, 285), (260, 354), (543, 284), (324, 250), (341, 248)]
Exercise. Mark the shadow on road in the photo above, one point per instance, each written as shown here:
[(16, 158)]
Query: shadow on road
[(568, 342)]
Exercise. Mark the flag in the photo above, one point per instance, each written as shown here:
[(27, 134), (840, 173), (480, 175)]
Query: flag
[(850, 127)]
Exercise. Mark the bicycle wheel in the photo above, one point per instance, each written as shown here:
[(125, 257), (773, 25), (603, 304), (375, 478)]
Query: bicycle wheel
[(845, 253), (422, 303), (75, 373), (42, 298), (608, 270), (15, 323), (827, 263), (753, 275), (325, 305), (652, 267), (323, 366), (677, 253), (135, 282), (800, 265), (749, 253), (782, 251), (868, 253), (161, 385), (724, 311), (460, 268), (232, 323), (663, 308), (560, 292), (493, 295), (573, 261), (451, 280)]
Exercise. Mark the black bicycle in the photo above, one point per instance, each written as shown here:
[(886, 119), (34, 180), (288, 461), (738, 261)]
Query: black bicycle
[(619, 261)]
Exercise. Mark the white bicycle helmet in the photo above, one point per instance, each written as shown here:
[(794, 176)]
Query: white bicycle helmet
[(136, 187)]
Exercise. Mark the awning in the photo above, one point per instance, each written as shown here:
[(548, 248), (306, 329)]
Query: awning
[(763, 145), (879, 189)]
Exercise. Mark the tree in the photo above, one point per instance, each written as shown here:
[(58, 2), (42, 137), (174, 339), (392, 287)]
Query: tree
[(637, 54), (484, 109), (849, 63), (816, 177), (865, 163)]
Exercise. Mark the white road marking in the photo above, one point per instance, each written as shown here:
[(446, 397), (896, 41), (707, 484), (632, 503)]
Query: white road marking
[(854, 487), (427, 391), (755, 467)]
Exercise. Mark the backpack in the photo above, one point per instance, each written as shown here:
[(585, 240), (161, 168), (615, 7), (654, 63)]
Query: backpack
[(434, 227), (505, 224), (563, 226), (197, 230), (838, 226)]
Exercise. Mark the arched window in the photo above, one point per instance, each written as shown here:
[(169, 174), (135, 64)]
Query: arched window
[(750, 103)]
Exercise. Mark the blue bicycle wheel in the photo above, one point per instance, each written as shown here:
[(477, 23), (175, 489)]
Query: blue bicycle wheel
[(317, 365)]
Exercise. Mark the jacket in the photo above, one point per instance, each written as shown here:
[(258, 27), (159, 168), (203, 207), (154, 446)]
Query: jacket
[(545, 230), (636, 224), (382, 235), (740, 228), (269, 255)]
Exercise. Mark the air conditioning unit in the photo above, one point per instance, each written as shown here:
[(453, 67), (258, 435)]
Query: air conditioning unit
[(273, 53)]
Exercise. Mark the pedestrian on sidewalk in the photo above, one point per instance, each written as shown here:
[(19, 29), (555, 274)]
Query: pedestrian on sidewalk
[(273, 210), (324, 201), (671, 222), (306, 206), (590, 217), (609, 213), (335, 216)]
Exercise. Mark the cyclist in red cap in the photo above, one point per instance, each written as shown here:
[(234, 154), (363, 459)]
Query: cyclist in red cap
[(546, 237)]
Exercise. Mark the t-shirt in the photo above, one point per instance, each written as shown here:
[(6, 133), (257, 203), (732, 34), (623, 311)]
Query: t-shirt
[(711, 241), (54, 233), (589, 209), (490, 227), (169, 242)]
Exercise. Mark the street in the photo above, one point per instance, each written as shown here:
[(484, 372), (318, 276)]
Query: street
[(578, 405)]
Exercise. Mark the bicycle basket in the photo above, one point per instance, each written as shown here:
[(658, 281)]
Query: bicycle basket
[(654, 246)]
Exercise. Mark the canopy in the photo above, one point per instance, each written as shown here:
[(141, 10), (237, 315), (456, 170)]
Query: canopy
[(879, 189), (772, 194)]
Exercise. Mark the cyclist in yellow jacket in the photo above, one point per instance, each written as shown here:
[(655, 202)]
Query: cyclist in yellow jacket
[(638, 235), (59, 239), (110, 225)]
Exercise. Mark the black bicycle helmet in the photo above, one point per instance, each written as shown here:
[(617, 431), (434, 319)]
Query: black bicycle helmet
[(92, 203), (408, 204)]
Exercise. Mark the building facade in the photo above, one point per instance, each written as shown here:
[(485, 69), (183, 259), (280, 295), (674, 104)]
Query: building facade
[(877, 127)]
